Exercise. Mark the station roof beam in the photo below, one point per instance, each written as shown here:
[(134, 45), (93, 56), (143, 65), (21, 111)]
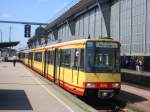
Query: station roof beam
[(8, 44), (107, 15), (29, 23)]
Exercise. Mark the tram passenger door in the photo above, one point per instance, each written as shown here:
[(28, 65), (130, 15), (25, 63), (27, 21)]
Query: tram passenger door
[(56, 65), (78, 62), (75, 66), (45, 63), (28, 61), (31, 59)]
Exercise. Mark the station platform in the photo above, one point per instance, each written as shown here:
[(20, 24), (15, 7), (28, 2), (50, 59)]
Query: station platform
[(137, 77), (23, 90), (144, 73)]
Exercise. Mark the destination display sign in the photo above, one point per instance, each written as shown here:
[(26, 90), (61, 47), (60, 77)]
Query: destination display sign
[(102, 44), (106, 45)]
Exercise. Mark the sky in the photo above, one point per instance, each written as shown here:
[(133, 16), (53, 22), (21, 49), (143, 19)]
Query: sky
[(42, 11)]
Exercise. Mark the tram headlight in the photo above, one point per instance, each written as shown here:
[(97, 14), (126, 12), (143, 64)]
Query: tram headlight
[(90, 85), (115, 85)]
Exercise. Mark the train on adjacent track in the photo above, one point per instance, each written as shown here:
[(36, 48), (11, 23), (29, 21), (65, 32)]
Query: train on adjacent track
[(83, 67)]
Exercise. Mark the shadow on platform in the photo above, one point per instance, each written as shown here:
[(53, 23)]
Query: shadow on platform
[(130, 97), (14, 100)]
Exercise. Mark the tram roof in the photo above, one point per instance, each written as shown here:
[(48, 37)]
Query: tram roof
[(80, 41)]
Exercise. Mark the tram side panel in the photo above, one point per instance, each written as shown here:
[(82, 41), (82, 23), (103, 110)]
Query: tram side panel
[(68, 73), (50, 65), (38, 61), (30, 59), (26, 59), (23, 58)]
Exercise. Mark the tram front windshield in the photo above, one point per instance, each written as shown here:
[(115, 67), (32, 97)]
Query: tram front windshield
[(102, 57)]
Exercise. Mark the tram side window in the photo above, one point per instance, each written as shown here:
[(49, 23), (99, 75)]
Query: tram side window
[(76, 59), (30, 55), (47, 58), (38, 56), (66, 58), (62, 58), (26, 55), (23, 55), (82, 59), (58, 57), (51, 57), (72, 57)]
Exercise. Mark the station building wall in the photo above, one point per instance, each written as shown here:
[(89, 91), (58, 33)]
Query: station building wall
[(129, 22), (90, 23)]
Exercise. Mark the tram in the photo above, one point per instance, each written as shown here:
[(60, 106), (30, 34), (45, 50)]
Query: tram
[(85, 67)]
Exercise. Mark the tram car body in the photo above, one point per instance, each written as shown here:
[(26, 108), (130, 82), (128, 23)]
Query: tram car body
[(20, 56), (83, 67), (26, 58)]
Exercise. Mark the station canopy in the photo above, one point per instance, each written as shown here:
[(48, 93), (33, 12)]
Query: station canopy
[(8, 44)]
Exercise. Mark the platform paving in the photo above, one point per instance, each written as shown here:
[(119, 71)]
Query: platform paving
[(24, 91), (137, 97)]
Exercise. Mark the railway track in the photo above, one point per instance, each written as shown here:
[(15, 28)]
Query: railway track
[(115, 104)]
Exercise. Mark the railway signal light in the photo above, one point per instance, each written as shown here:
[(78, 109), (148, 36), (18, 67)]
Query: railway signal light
[(27, 30)]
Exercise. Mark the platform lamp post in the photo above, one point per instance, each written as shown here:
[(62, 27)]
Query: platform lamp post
[(10, 28)]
